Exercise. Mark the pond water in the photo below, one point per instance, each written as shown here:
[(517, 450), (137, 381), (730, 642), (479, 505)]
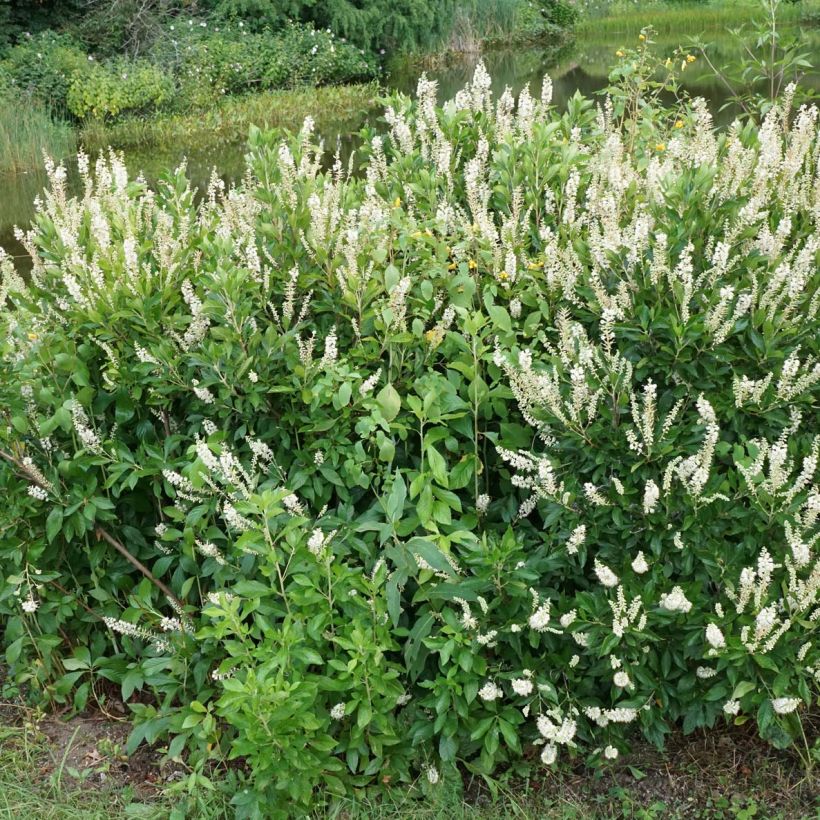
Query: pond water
[(582, 67)]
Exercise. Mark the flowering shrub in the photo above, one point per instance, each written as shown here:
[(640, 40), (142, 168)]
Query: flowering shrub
[(44, 65), (496, 452), (212, 60)]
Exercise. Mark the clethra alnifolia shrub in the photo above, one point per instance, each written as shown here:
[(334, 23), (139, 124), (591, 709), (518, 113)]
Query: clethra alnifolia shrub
[(499, 451)]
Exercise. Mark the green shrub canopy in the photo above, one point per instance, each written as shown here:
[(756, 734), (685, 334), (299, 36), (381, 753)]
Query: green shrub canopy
[(492, 454)]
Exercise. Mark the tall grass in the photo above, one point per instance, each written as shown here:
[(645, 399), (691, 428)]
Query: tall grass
[(27, 132), (683, 17), (476, 21)]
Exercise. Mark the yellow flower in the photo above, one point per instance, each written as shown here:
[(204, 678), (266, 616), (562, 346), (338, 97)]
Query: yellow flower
[(503, 276), (435, 337), (397, 202), (641, 37), (32, 336), (619, 53), (451, 266), (678, 123), (660, 146), (472, 264), (690, 58)]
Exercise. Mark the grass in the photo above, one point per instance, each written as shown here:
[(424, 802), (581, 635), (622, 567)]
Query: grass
[(481, 26), (27, 132), (35, 784), (76, 770), (688, 18), (228, 120), (478, 21)]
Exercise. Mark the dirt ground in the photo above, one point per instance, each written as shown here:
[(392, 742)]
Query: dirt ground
[(727, 773)]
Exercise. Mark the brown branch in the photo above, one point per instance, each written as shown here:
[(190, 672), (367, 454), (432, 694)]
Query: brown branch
[(103, 534), (106, 536)]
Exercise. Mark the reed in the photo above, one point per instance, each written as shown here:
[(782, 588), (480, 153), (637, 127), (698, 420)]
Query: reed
[(28, 131), (684, 18)]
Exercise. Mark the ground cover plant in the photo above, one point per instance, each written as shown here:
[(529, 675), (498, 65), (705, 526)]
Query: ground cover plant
[(481, 459)]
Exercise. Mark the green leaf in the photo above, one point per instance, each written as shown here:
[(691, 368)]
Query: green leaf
[(393, 599), (500, 317), (19, 423), (395, 501), (344, 394), (364, 715), (438, 465), (743, 688), (389, 402), (54, 523), (412, 650), (431, 554), (424, 507), (447, 748)]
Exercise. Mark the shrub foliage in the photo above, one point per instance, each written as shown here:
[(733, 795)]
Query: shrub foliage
[(490, 454), (194, 65)]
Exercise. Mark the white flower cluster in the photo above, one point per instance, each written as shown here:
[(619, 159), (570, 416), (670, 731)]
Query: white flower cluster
[(675, 601)]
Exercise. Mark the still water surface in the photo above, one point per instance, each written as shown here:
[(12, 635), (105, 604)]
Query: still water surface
[(583, 68)]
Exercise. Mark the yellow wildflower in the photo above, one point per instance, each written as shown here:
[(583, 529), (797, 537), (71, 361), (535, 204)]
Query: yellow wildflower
[(397, 202), (434, 336), (641, 37), (660, 146), (690, 58), (32, 336), (619, 53), (451, 266), (503, 276), (678, 123), (472, 264)]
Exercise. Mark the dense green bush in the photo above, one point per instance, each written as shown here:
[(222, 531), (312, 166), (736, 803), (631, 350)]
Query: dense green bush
[(368, 24), (504, 448), (561, 14), (214, 61), (190, 68), (44, 66), (117, 87)]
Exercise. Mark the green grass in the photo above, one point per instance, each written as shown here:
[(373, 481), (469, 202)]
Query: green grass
[(228, 121), (27, 131), (33, 784), (477, 21), (688, 18)]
